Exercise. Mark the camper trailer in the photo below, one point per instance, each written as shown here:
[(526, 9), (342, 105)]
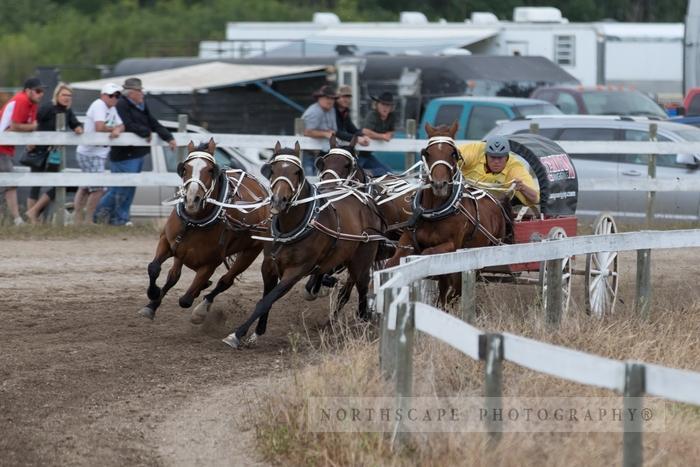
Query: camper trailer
[(594, 53)]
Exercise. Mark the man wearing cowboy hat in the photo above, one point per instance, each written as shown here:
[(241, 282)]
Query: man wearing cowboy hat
[(379, 124), (115, 205), (319, 122)]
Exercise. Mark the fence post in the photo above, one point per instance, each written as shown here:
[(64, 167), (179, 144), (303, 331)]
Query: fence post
[(632, 452), (642, 304), (410, 157), (534, 128), (298, 126), (60, 201), (491, 352), (387, 350), (553, 299), (405, 331), (468, 298), (181, 128), (651, 171)]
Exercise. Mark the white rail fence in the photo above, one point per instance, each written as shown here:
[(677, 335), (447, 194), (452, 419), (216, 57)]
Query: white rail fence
[(402, 313), (268, 141)]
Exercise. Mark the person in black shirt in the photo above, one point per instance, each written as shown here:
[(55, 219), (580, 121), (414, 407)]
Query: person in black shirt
[(346, 128), (46, 121), (115, 204)]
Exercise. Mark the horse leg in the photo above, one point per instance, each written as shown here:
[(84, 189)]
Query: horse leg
[(404, 248), (313, 285), (163, 252), (447, 247), (270, 280), (200, 281), (290, 277), (243, 260), (149, 311)]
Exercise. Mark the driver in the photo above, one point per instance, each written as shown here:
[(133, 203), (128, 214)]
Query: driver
[(490, 161)]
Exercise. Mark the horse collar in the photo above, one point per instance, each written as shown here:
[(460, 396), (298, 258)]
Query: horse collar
[(303, 229), (216, 213), (444, 210)]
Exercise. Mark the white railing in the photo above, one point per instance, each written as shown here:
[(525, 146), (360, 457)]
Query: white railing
[(268, 141), (402, 313)]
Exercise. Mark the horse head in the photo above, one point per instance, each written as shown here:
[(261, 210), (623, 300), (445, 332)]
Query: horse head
[(286, 175), (340, 163), (199, 172), (440, 157)]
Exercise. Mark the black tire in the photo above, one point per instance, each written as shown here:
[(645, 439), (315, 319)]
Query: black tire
[(558, 190)]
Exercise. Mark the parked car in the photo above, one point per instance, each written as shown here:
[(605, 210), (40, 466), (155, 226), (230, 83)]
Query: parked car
[(614, 168), (476, 117), (600, 100), (147, 201), (691, 103)]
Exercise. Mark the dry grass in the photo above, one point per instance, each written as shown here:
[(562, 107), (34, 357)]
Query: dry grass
[(345, 363)]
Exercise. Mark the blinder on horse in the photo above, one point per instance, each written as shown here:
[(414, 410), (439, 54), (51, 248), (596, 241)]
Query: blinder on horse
[(452, 167), (266, 170), (216, 172), (340, 152)]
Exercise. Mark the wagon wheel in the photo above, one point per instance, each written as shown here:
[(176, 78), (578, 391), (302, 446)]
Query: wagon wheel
[(601, 273), (567, 266)]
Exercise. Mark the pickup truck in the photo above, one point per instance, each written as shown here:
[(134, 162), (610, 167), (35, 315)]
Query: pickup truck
[(476, 117)]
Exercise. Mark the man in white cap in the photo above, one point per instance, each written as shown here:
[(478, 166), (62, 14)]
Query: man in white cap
[(101, 117)]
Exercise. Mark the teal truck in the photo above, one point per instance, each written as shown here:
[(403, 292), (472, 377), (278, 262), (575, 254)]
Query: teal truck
[(476, 117)]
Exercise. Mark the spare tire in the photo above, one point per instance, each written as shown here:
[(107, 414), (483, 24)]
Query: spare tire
[(554, 170)]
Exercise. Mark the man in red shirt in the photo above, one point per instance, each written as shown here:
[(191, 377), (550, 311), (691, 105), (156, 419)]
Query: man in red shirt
[(19, 114)]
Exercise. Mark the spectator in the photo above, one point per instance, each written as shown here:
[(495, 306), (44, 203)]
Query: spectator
[(115, 205), (46, 118), (379, 125), (19, 114), (101, 117), (346, 128), (319, 122)]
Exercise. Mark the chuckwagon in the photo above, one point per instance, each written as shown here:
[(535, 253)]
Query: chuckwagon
[(555, 219)]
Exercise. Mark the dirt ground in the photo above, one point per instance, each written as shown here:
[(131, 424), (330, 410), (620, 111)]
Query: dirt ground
[(85, 381)]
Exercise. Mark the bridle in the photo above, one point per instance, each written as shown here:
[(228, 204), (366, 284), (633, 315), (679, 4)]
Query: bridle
[(207, 190), (344, 153), (281, 178), (455, 154)]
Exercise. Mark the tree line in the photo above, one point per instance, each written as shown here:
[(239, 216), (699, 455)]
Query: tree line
[(80, 36)]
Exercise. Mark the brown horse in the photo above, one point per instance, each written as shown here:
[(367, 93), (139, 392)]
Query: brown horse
[(391, 193), (447, 215), (201, 234), (312, 233)]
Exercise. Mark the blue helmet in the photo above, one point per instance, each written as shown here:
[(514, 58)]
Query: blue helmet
[(497, 146)]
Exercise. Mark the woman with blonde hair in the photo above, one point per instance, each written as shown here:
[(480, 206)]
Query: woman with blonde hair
[(46, 119)]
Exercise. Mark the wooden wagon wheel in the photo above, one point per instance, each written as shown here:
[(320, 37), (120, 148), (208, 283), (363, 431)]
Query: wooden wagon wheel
[(601, 272), (567, 269)]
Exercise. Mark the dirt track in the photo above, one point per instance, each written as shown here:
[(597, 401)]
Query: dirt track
[(85, 381)]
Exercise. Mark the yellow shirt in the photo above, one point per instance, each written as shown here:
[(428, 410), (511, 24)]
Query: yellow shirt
[(474, 168)]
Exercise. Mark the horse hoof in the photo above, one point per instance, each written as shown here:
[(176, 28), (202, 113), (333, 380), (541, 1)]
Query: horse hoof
[(252, 340), (147, 312), (200, 312), (185, 302), (309, 297), (324, 291), (153, 293), (232, 341)]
